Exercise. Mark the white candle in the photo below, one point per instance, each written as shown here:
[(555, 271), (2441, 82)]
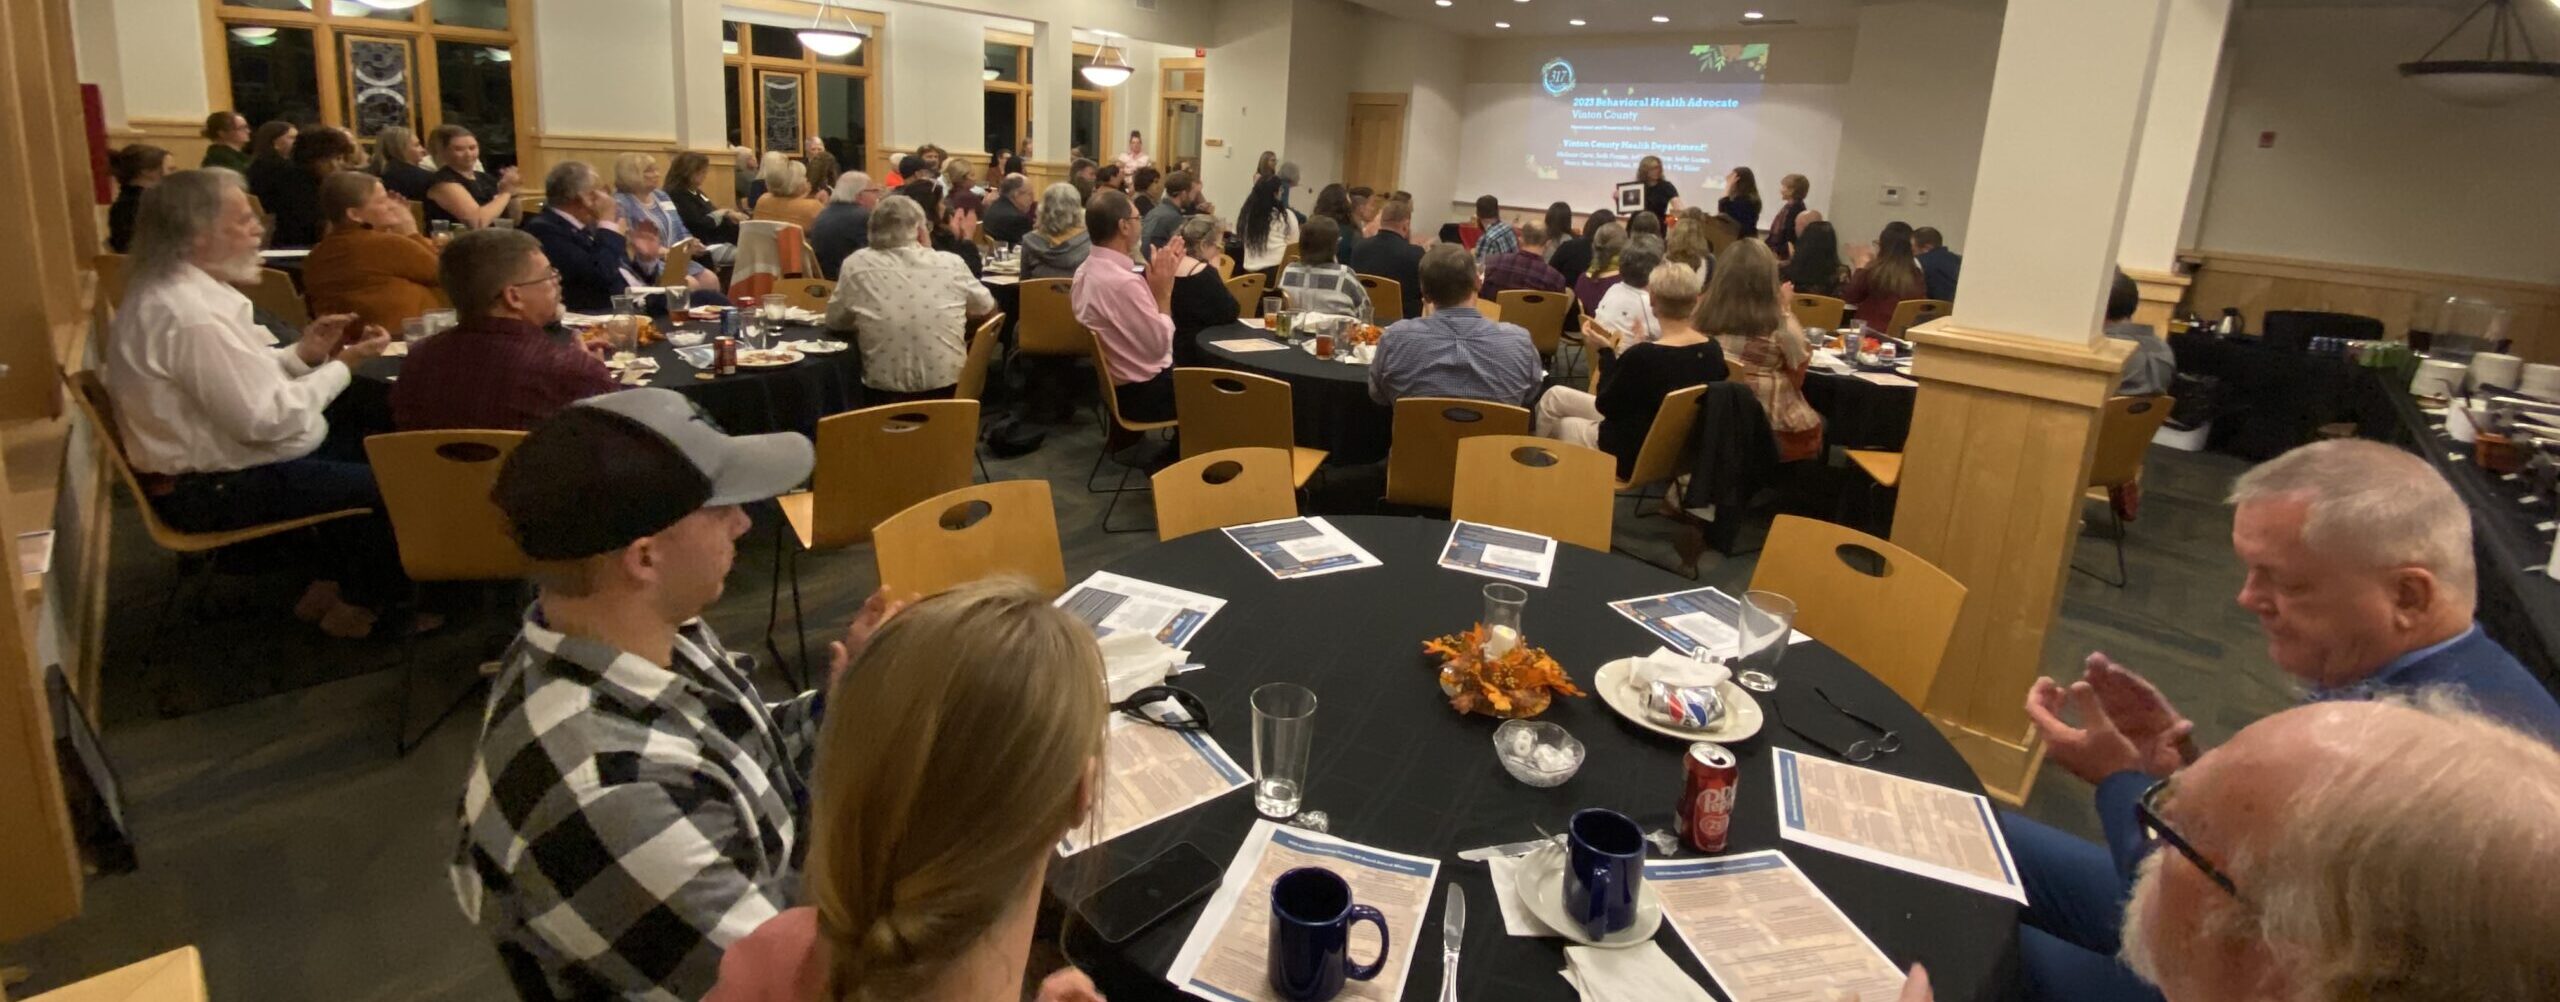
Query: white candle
[(1499, 641)]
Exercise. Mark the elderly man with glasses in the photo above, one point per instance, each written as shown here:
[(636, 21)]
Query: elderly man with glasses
[(2359, 571)]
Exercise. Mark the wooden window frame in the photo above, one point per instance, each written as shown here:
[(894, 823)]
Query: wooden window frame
[(1021, 90), (1166, 97), (748, 112), (420, 29)]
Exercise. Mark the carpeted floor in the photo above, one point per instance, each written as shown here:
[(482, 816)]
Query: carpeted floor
[(279, 833)]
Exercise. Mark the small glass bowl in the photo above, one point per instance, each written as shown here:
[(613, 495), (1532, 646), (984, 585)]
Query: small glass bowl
[(1531, 749)]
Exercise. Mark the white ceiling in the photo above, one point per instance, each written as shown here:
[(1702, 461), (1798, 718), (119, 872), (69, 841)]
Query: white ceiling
[(1553, 17)]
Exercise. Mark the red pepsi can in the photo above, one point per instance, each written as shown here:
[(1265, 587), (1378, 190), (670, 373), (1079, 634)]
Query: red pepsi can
[(724, 356), (1706, 796)]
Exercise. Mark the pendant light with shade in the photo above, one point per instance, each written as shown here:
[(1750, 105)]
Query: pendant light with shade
[(2497, 76), (830, 42), (391, 4), (1109, 68)]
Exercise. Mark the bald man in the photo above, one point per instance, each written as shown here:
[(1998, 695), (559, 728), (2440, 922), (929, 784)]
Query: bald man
[(2360, 574), (2383, 851)]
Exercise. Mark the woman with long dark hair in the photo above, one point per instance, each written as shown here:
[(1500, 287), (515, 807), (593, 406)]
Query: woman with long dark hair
[(1334, 203), (1816, 267), (707, 222), (1889, 275), (137, 167), (1266, 227), (1572, 257), (1741, 200)]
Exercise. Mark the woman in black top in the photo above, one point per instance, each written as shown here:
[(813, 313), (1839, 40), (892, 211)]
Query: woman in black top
[(137, 168), (1791, 217), (270, 160), (1573, 255), (1741, 201), (1200, 297), (1617, 419), (708, 223), (1816, 267), (1658, 193), (950, 234), (293, 196), (397, 156), (475, 199)]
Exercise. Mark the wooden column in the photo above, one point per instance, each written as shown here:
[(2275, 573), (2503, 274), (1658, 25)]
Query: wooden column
[(2011, 386), (2162, 291)]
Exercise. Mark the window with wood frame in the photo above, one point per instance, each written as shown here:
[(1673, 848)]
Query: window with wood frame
[(779, 94), (350, 64)]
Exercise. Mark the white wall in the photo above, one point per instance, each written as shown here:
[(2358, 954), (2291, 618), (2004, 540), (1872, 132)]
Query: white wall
[(1428, 65), (1247, 97), (583, 78), (1322, 59), (146, 56), (935, 93), (2368, 169), (1913, 115)]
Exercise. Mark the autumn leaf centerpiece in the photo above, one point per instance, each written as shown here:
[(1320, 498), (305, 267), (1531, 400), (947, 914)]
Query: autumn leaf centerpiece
[(1517, 683)]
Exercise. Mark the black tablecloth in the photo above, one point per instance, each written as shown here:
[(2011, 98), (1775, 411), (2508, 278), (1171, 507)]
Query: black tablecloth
[(2519, 605), (1857, 414), (753, 401), (2272, 398), (1330, 399), (1394, 766)]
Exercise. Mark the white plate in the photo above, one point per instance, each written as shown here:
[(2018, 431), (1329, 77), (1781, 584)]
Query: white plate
[(1540, 878), (818, 347), (775, 358), (1742, 717)]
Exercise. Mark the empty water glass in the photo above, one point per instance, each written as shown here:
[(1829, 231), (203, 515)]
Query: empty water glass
[(1763, 623), (440, 321), (1284, 728), (775, 306)]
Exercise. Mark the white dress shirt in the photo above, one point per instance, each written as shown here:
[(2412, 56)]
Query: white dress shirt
[(199, 387), (1628, 311), (909, 309)]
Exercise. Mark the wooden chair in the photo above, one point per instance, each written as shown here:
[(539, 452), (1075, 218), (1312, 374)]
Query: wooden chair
[(193, 549), (435, 488), (1226, 267), (979, 531), (1878, 604), (768, 247), (1541, 313), (1247, 288), (1386, 299), (110, 268), (1536, 485), (1665, 452), (275, 294), (1290, 255), (1422, 457), (418, 215), (1884, 467), (1048, 325), (1818, 311), (806, 293), (982, 353), (1116, 428), (1213, 490), (2124, 440), (1225, 409), (1913, 312), (676, 266), (879, 461)]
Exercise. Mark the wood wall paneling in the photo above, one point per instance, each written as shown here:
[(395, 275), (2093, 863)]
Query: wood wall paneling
[(2255, 284)]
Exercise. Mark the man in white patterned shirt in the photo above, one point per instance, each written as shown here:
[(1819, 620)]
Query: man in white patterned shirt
[(635, 805), (909, 307)]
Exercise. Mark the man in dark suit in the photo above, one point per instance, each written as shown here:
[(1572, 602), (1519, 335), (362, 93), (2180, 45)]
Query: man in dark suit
[(2365, 590), (1391, 254), (582, 232), (1008, 215), (1938, 265)]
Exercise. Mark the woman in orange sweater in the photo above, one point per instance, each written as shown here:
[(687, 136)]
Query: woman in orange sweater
[(372, 263)]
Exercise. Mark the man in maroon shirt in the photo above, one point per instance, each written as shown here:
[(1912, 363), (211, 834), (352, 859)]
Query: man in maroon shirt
[(1525, 268), (503, 367)]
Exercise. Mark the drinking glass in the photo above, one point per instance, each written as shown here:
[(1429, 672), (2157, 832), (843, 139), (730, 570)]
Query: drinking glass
[(440, 321), (415, 329), (1284, 727), (775, 307), (1502, 607), (1271, 306), (1763, 622)]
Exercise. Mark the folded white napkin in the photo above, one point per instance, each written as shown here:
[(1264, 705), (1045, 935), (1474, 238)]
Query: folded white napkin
[(1667, 665), (1134, 661), (1641, 973)]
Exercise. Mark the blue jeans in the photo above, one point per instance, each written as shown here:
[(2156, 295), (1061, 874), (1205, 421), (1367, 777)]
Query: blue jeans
[(359, 553), (2074, 919)]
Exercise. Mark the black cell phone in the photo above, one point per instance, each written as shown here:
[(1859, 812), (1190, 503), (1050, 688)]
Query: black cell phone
[(1142, 897)]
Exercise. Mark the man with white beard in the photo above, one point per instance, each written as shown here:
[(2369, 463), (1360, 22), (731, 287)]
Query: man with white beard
[(2386, 851), (222, 425)]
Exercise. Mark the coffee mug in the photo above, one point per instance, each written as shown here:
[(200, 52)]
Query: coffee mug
[(1311, 917), (1604, 872)]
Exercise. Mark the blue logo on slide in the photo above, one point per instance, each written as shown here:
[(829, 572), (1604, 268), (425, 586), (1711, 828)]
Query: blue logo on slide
[(1556, 76)]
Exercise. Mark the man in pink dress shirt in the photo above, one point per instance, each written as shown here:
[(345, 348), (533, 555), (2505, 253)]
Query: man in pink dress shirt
[(1132, 314)]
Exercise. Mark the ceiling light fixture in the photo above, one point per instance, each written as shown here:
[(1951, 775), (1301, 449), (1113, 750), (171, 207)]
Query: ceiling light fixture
[(829, 42), (2496, 76), (245, 32), (1752, 15), (1441, 3), (1577, 22), (1661, 19), (391, 4), (1109, 68), (1502, 24)]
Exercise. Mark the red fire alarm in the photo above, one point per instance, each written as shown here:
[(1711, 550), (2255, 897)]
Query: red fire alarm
[(2267, 140)]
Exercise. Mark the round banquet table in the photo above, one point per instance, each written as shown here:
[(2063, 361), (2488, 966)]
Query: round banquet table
[(1393, 766), (752, 401), (1857, 414), (1329, 400)]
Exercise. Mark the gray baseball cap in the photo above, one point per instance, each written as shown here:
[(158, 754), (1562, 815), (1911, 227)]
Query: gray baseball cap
[(614, 468)]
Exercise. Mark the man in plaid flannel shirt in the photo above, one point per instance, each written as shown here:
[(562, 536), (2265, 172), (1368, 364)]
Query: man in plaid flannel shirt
[(1498, 239), (1524, 268), (635, 806)]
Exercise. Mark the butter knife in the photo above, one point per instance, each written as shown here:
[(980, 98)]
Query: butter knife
[(1453, 934)]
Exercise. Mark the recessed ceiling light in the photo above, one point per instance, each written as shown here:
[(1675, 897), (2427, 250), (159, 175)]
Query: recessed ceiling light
[(1661, 19), (1577, 22), (1441, 3), (1502, 24), (1752, 15)]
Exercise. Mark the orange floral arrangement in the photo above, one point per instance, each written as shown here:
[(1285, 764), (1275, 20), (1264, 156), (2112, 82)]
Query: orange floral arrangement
[(1366, 334), (1520, 683)]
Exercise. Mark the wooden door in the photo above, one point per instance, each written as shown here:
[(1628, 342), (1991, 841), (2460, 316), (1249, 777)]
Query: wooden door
[(1373, 141)]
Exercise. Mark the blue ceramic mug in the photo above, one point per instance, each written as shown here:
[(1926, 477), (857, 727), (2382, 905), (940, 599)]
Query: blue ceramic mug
[(1311, 917), (1605, 871)]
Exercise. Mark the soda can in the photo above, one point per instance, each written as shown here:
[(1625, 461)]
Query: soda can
[(724, 355), (733, 322), (1706, 796)]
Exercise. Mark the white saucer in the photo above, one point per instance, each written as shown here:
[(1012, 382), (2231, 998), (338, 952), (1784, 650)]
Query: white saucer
[(1742, 717), (1540, 878)]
